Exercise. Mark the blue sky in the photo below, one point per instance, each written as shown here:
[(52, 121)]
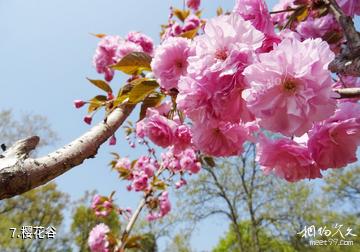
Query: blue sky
[(46, 53)]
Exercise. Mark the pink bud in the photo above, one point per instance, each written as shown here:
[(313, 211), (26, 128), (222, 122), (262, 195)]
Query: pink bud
[(79, 103), (88, 119), (112, 140), (110, 96), (193, 4)]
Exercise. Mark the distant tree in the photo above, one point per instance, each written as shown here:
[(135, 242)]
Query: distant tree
[(267, 241), (28, 124), (180, 243), (343, 185), (41, 207), (237, 189), (234, 188)]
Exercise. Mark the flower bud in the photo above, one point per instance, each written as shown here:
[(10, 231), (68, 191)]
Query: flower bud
[(88, 119), (79, 103), (112, 140)]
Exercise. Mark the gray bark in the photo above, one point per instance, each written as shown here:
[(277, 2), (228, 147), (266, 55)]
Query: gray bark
[(19, 173)]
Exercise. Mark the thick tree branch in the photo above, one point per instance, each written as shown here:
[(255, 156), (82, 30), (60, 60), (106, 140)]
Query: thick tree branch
[(348, 61), (19, 174), (345, 65)]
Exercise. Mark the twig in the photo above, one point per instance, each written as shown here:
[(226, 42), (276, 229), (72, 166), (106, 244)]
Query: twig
[(282, 11), (131, 223), (136, 214), (348, 92)]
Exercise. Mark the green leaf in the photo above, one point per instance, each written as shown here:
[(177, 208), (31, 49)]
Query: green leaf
[(189, 34), (122, 94), (123, 172), (96, 103), (209, 161), (103, 85), (134, 63), (99, 35), (301, 14), (152, 100), (141, 88), (158, 184), (133, 242), (181, 14)]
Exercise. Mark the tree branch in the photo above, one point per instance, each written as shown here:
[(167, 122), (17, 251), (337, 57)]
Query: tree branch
[(348, 92), (348, 61), (19, 174)]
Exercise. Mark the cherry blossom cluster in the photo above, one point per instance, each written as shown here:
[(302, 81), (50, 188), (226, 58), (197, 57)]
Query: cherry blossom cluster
[(246, 75), (239, 77), (112, 48)]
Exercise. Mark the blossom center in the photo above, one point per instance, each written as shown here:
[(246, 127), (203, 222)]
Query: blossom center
[(289, 86), (179, 64), (221, 54)]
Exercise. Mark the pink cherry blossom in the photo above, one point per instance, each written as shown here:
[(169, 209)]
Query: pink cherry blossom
[(98, 241), (220, 138), (193, 4), (288, 159), (188, 161), (180, 183), (350, 7), (282, 17), (194, 98), (170, 160), (348, 82), (102, 205), (158, 128), (191, 22), (182, 137), (257, 12), (291, 87), (322, 27), (140, 128), (126, 47), (147, 165), (123, 163), (97, 199), (139, 181), (105, 55), (214, 83), (225, 37), (317, 27), (109, 51), (170, 61), (164, 207), (185, 160), (164, 108), (333, 143), (142, 40), (214, 97)]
